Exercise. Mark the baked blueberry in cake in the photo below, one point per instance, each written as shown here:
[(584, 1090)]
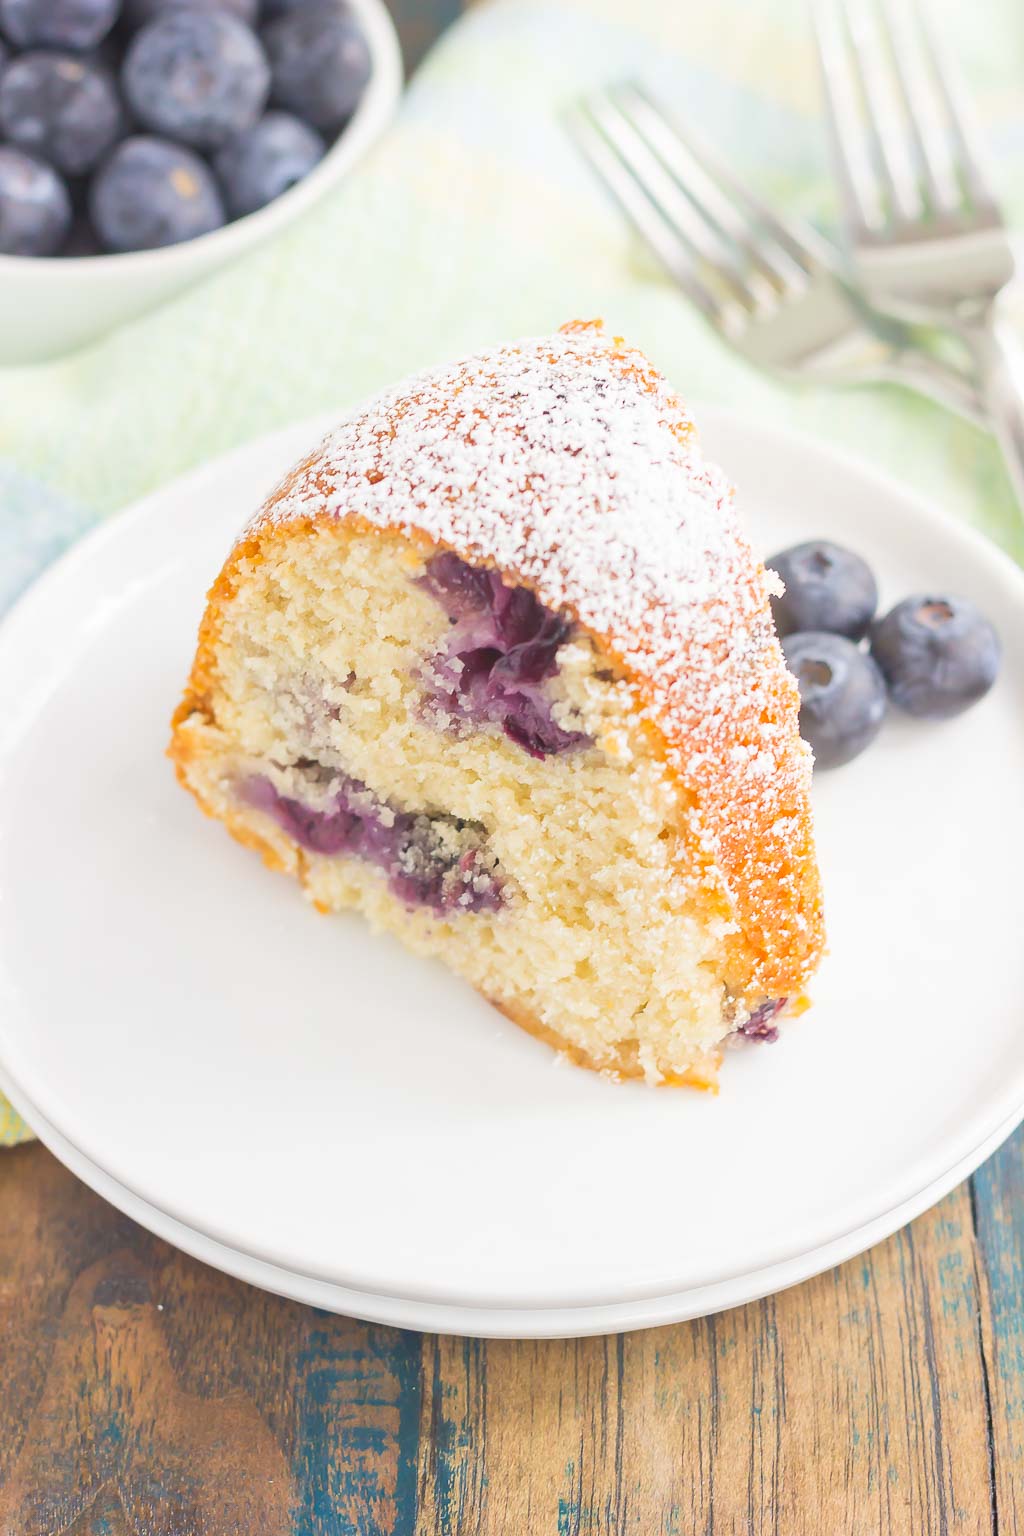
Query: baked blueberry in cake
[(495, 666)]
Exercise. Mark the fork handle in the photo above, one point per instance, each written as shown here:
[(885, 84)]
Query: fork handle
[(1000, 364)]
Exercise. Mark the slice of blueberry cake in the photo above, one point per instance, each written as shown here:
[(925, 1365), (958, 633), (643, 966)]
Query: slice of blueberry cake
[(495, 666)]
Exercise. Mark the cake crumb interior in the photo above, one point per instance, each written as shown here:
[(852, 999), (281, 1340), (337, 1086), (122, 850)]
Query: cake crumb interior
[(604, 941)]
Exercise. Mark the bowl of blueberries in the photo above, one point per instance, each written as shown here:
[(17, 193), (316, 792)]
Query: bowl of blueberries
[(144, 143)]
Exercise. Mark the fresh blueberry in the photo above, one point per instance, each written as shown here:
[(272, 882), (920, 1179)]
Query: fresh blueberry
[(264, 162), (76, 24), (320, 62), (827, 587), (152, 193), (138, 12), (4, 55), (60, 107), (197, 76), (939, 655), (842, 695), (35, 209)]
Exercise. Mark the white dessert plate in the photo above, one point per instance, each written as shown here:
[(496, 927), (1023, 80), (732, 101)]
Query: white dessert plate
[(289, 1088), (501, 1322)]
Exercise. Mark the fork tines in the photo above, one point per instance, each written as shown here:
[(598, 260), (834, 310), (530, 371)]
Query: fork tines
[(905, 145), (725, 248)]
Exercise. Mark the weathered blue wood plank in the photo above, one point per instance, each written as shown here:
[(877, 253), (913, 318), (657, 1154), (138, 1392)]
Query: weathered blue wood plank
[(998, 1203), (357, 1394), (854, 1405)]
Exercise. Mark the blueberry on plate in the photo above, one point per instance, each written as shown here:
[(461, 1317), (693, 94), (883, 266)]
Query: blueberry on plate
[(138, 12), (151, 193), (199, 76), (266, 160), (319, 61), (60, 107), (827, 587), (35, 208), (76, 24), (842, 695), (938, 655)]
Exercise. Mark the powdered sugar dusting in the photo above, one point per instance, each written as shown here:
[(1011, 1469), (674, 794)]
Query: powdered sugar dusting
[(569, 464), (545, 459)]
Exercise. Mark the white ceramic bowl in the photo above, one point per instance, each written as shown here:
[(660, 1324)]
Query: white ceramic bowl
[(49, 306)]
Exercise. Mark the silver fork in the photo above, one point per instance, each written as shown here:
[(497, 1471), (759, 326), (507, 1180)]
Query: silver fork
[(925, 232), (770, 285)]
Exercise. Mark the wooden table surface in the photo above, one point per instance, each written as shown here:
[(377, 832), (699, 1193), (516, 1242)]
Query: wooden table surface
[(143, 1393)]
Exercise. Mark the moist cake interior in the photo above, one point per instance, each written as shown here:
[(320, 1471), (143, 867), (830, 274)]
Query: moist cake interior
[(423, 741)]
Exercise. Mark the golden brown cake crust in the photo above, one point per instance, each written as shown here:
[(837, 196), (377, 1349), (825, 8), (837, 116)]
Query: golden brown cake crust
[(567, 464), (620, 1068)]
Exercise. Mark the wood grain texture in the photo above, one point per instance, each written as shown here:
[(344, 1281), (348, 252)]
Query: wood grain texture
[(998, 1208), (142, 1394), (854, 1404)]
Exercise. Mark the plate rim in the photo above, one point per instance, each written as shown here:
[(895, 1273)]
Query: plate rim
[(922, 1176), (494, 1322)]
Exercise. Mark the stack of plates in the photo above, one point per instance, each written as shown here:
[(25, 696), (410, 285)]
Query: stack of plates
[(312, 1109)]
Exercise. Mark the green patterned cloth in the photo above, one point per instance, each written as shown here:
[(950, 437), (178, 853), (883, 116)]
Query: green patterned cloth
[(475, 221)]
